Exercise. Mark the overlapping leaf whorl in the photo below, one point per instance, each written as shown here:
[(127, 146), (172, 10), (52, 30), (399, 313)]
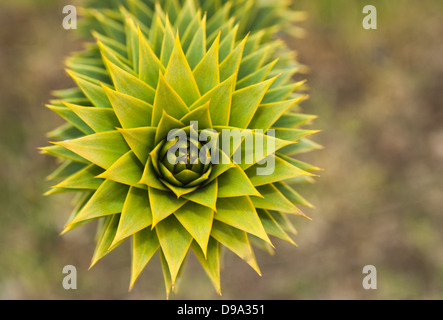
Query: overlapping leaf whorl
[(138, 83), (251, 15)]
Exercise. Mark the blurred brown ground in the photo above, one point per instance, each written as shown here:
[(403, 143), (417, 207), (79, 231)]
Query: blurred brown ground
[(379, 201)]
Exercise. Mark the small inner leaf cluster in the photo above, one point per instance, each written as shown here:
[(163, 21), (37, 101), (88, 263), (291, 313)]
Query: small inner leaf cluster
[(138, 81), (183, 171)]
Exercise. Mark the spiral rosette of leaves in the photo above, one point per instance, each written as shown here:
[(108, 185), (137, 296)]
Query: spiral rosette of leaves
[(137, 85)]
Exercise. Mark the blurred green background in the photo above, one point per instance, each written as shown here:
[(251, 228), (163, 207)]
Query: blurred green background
[(379, 202)]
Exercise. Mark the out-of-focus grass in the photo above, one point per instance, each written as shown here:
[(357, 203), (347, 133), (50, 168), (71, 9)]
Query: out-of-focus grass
[(379, 200)]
